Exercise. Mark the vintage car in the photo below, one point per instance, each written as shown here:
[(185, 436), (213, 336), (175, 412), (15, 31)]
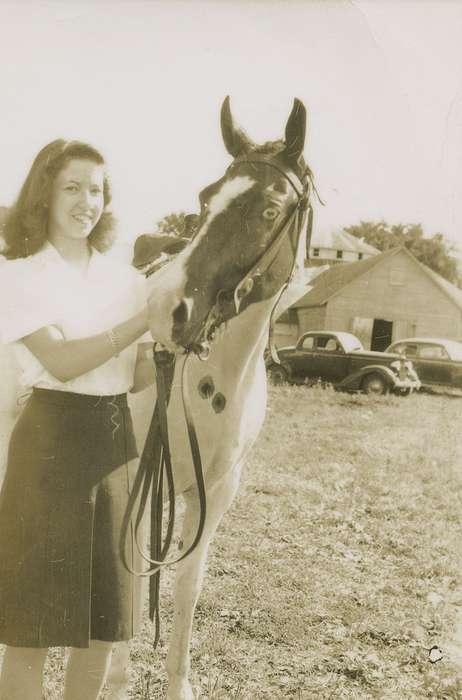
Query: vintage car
[(438, 362), (341, 360)]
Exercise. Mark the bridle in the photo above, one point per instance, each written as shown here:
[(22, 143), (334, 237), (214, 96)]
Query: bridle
[(228, 302), (155, 463)]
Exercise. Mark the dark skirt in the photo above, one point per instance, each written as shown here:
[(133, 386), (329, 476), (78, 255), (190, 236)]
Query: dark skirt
[(68, 479)]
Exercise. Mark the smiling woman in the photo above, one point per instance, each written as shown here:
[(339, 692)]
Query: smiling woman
[(55, 178), (73, 317)]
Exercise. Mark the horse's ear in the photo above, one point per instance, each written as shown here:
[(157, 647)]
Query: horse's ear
[(236, 140), (296, 131)]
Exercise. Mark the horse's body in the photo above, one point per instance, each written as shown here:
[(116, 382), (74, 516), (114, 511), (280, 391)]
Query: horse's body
[(228, 389)]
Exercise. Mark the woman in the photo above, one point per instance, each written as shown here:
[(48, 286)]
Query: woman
[(73, 316)]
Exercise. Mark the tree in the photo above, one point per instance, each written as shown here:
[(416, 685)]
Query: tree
[(435, 252), (172, 224), (178, 224)]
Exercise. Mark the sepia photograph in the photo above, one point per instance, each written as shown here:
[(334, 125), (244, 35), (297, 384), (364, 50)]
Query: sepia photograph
[(231, 350)]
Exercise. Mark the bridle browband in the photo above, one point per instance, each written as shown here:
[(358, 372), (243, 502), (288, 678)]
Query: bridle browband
[(155, 463)]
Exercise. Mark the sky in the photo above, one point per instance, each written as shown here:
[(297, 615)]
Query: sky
[(144, 83)]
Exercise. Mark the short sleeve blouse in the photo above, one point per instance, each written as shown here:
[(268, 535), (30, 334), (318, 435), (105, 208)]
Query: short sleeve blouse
[(44, 290)]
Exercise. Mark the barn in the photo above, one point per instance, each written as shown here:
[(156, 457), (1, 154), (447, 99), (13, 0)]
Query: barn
[(380, 299)]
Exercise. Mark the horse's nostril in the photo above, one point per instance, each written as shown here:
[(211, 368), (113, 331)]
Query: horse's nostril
[(181, 314)]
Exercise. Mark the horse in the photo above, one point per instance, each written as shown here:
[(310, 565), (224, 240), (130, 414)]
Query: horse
[(211, 305)]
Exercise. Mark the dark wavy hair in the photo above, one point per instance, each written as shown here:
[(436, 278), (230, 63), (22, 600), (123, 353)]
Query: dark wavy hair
[(26, 226)]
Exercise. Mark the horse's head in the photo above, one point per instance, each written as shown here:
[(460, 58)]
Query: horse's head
[(245, 241)]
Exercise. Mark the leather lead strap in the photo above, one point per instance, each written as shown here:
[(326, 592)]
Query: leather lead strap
[(155, 465)]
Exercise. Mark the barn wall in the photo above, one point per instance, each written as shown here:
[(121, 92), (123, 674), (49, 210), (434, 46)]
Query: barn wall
[(397, 290), (285, 334), (311, 319)]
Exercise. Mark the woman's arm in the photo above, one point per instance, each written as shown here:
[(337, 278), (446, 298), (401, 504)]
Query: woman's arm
[(68, 359)]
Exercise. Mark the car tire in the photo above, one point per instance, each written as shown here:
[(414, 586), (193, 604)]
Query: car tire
[(278, 375), (374, 383)]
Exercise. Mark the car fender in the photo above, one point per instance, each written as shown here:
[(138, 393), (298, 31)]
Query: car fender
[(354, 380)]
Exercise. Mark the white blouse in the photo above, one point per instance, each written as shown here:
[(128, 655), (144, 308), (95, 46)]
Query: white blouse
[(44, 290)]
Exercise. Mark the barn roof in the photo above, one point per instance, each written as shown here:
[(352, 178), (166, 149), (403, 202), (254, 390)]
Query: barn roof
[(450, 289), (336, 278), (333, 280)]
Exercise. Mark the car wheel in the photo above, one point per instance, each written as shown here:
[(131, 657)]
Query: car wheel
[(278, 375), (374, 384)]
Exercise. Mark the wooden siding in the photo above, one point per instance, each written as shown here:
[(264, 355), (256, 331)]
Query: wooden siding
[(285, 334), (397, 290), (311, 319)]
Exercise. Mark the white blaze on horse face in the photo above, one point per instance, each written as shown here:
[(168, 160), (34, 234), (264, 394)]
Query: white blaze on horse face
[(167, 286), (228, 192)]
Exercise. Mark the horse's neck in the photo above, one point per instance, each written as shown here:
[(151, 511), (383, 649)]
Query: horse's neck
[(243, 340)]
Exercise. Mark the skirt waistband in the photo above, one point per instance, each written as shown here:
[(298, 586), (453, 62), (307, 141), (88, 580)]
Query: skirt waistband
[(71, 399)]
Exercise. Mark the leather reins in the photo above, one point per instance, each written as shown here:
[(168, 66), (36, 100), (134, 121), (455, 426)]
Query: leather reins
[(155, 463)]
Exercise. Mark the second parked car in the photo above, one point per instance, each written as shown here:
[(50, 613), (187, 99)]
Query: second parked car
[(438, 362), (340, 359)]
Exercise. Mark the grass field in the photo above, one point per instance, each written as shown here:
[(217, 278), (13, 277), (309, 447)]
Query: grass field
[(338, 566)]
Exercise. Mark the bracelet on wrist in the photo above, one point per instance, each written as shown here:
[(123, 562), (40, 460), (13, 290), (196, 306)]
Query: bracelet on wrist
[(114, 340)]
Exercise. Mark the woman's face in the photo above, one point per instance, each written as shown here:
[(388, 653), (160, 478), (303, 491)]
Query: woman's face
[(77, 200)]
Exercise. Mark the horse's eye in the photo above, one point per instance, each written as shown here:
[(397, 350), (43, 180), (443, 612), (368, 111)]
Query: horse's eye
[(270, 214)]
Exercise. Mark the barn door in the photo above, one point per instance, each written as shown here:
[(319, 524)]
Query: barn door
[(382, 333), (362, 329)]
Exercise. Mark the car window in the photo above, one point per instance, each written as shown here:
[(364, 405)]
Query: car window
[(308, 343), (327, 344), (410, 349), (331, 345), (455, 352), (432, 352)]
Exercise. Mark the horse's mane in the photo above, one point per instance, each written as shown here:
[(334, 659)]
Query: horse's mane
[(270, 148)]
